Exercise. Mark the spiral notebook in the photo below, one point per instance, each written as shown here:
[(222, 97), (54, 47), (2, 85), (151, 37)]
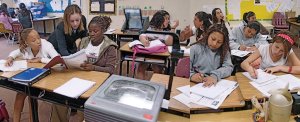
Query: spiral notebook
[(30, 76)]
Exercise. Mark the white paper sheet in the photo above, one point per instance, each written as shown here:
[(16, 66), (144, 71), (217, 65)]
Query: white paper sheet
[(185, 90), (213, 91), (185, 49), (183, 99), (261, 76), (17, 65), (212, 103), (74, 87), (74, 60), (239, 53)]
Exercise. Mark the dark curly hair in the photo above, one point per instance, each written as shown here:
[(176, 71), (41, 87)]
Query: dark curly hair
[(206, 18), (157, 20), (247, 15), (214, 15), (287, 45), (102, 21), (224, 49), (165, 13)]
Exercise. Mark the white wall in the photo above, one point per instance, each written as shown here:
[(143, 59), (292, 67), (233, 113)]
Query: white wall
[(183, 10)]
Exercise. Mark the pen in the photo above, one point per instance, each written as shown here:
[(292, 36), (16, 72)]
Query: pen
[(254, 72)]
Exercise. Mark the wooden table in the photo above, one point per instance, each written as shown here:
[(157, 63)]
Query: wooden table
[(247, 90), (167, 117), (58, 78), (177, 82), (234, 100), (232, 116)]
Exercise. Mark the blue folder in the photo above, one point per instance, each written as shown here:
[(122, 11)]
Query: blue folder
[(30, 75)]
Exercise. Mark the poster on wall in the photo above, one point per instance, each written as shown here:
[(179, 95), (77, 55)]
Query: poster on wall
[(58, 6), (103, 6)]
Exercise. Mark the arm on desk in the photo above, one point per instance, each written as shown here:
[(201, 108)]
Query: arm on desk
[(246, 64)]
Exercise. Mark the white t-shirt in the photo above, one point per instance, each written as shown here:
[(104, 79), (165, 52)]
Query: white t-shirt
[(266, 57), (46, 52), (92, 52)]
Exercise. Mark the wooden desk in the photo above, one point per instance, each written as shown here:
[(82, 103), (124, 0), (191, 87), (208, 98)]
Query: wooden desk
[(233, 116), (58, 78), (44, 19), (247, 90), (234, 100), (177, 82), (126, 51), (167, 117)]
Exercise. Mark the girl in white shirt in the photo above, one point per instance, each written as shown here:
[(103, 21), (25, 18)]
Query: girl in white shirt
[(276, 57), (35, 50)]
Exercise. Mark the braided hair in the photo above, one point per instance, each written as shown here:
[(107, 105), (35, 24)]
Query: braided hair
[(102, 21)]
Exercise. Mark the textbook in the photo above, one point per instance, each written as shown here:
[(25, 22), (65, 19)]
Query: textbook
[(30, 76), (71, 61)]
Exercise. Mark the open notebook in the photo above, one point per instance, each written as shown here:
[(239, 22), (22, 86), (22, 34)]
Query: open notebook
[(74, 87), (152, 43)]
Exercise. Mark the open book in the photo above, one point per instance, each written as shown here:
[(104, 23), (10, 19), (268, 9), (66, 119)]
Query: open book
[(153, 43), (240, 53), (71, 61)]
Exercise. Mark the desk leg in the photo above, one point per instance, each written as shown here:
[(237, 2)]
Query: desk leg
[(34, 110), (44, 22)]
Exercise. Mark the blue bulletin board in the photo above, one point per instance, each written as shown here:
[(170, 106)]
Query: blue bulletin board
[(58, 6)]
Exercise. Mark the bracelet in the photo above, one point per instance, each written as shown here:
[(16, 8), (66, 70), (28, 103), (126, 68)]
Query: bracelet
[(290, 69)]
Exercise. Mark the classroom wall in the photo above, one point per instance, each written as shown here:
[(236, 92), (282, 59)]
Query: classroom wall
[(183, 10)]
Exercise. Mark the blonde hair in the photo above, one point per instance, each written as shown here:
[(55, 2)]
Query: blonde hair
[(23, 37), (71, 9)]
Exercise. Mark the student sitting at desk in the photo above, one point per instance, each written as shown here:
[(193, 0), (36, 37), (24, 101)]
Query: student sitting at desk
[(70, 31), (34, 50), (157, 23), (218, 18), (101, 56), (167, 22), (210, 58), (276, 57), (201, 24), (251, 17), (246, 37), (101, 51)]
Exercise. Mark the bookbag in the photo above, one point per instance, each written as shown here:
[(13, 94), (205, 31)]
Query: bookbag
[(149, 50), (3, 112)]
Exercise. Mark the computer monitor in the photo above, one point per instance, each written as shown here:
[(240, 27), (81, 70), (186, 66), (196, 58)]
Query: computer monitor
[(133, 18)]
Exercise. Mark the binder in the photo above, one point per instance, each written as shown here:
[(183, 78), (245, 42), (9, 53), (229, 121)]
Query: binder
[(30, 76)]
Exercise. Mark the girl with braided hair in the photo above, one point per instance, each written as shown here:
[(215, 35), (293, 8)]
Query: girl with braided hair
[(100, 50)]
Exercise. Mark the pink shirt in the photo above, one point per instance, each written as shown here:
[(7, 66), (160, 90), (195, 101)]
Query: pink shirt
[(6, 20)]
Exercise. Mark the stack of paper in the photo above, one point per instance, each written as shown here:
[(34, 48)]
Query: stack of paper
[(239, 53), (17, 65), (213, 100), (261, 76), (277, 83), (74, 87), (184, 97)]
